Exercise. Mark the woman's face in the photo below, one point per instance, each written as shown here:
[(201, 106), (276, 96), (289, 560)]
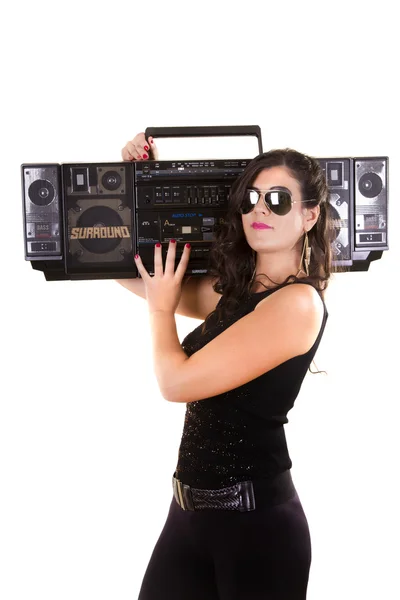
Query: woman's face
[(287, 230)]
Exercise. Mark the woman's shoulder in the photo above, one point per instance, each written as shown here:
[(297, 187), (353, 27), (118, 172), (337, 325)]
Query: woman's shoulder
[(288, 289)]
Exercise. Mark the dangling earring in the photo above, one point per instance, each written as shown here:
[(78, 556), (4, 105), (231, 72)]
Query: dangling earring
[(307, 256)]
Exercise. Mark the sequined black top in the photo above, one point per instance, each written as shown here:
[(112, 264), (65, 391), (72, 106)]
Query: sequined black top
[(239, 435)]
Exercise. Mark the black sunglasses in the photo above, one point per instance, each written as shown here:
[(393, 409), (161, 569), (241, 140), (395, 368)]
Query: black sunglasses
[(278, 201)]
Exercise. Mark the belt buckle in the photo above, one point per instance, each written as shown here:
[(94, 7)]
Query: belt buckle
[(180, 495)]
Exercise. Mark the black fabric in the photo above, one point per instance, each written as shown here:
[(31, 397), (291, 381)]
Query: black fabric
[(239, 435), (230, 555)]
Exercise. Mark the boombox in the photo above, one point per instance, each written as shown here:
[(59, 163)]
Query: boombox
[(88, 220)]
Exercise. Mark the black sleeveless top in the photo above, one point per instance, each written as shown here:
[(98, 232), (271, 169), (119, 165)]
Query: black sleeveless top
[(239, 435)]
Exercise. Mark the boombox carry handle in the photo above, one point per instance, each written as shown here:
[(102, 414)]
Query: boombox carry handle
[(212, 131)]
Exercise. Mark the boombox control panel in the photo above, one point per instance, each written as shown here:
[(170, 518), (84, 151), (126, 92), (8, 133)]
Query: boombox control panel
[(185, 201)]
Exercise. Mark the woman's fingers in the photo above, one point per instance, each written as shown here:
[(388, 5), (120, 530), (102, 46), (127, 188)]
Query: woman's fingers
[(183, 263), (170, 262), (158, 266), (140, 267), (153, 148), (126, 155), (140, 149)]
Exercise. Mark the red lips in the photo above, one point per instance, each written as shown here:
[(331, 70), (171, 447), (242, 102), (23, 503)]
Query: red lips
[(259, 225)]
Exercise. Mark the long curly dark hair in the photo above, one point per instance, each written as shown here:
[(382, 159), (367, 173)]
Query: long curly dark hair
[(232, 260)]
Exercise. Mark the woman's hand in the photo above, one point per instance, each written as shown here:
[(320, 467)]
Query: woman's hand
[(140, 149), (163, 290)]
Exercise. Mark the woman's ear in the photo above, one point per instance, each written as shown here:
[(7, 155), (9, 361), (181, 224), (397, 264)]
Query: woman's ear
[(313, 214)]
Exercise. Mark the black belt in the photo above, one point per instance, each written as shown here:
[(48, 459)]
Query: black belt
[(240, 496)]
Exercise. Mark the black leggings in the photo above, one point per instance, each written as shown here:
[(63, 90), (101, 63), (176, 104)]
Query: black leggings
[(263, 554)]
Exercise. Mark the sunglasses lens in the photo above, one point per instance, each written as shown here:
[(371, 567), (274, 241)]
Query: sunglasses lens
[(279, 202), (249, 201)]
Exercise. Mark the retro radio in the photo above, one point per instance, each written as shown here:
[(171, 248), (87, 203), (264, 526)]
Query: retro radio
[(88, 220)]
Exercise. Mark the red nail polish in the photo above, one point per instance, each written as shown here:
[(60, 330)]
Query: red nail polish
[(173, 241), (136, 256), (145, 156), (146, 147), (158, 245), (187, 245)]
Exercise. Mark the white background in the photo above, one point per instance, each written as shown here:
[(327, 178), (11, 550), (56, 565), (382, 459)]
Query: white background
[(88, 445)]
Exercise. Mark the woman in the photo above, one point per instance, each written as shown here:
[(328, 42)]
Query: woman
[(236, 528)]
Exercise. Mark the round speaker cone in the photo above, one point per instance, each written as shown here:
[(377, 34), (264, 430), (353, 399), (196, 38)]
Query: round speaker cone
[(41, 192), (111, 180), (370, 185), (101, 216)]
